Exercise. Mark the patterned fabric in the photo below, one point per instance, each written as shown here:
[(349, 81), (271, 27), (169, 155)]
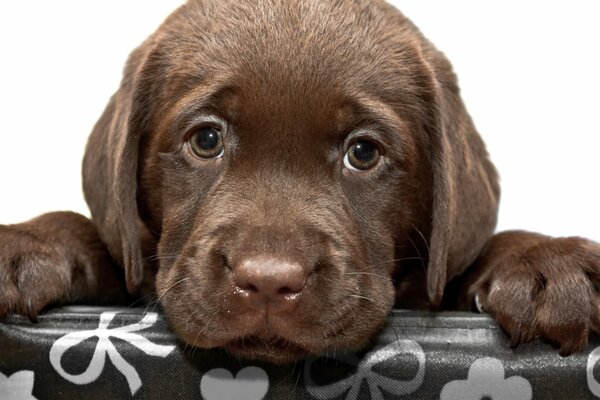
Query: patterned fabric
[(99, 353)]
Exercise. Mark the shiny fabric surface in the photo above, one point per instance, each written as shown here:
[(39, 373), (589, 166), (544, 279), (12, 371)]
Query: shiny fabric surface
[(104, 353)]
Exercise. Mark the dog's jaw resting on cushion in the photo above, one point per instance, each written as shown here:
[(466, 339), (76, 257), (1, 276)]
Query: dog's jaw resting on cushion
[(279, 174)]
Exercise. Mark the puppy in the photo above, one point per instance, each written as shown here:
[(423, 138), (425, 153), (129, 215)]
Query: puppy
[(280, 173)]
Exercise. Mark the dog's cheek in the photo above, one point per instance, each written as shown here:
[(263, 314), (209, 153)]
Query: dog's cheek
[(170, 298), (374, 213), (372, 311), (182, 294), (373, 290), (183, 190)]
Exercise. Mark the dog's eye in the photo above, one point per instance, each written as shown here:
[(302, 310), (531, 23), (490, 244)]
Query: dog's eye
[(207, 142), (361, 156)]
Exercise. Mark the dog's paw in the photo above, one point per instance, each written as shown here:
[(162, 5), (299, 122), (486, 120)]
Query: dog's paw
[(542, 287), (33, 271)]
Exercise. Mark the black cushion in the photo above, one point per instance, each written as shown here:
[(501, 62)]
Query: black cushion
[(103, 353)]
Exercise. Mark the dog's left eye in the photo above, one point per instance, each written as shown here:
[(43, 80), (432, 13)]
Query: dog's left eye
[(361, 156), (207, 142)]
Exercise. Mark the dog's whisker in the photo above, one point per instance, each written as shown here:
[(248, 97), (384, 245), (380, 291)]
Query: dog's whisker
[(358, 296), (425, 242), (171, 257), (418, 252), (391, 261), (368, 274), (145, 299), (157, 301)]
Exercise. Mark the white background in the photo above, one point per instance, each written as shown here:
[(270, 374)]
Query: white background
[(529, 70)]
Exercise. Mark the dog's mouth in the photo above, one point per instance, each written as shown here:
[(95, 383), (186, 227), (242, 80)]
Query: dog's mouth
[(272, 349)]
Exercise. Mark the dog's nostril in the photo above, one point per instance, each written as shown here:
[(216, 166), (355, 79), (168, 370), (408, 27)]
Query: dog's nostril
[(270, 279), (249, 288), (285, 291)]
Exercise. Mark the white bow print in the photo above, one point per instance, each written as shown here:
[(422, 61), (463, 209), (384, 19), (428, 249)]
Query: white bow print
[(375, 381), (105, 347), (593, 384)]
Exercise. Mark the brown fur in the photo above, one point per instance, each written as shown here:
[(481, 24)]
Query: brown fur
[(290, 82)]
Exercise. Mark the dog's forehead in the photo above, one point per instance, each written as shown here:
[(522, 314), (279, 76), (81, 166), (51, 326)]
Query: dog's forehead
[(281, 46), (299, 60)]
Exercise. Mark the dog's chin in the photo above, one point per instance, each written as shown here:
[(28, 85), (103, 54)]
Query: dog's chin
[(268, 346), (273, 350)]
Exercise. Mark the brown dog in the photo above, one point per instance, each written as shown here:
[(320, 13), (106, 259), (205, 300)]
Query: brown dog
[(281, 173)]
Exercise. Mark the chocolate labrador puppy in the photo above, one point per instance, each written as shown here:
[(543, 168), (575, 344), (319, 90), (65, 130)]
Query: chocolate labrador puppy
[(280, 173)]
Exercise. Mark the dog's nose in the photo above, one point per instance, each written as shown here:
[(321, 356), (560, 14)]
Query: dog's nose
[(268, 281)]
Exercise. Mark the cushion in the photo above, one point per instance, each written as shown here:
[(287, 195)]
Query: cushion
[(118, 353)]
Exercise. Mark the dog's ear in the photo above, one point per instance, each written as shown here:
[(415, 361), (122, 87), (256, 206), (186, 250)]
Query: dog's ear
[(110, 166), (465, 183)]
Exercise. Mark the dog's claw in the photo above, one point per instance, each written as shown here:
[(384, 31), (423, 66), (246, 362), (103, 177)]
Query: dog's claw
[(31, 312)]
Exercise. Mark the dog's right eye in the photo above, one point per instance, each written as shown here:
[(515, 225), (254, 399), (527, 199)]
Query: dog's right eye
[(207, 142), (361, 156)]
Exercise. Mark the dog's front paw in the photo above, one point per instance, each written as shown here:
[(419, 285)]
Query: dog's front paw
[(33, 271), (536, 286)]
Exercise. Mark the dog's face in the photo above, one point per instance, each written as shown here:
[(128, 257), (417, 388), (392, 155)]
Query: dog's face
[(285, 161), (286, 172)]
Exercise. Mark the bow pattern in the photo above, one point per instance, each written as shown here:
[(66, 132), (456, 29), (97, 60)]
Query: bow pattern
[(375, 382), (105, 347)]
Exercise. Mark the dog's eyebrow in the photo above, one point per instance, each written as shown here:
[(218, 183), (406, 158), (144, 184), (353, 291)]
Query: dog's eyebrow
[(372, 111), (204, 95)]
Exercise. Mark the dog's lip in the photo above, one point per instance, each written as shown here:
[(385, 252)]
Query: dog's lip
[(271, 348)]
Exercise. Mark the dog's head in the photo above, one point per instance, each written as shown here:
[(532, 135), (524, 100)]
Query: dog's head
[(288, 158)]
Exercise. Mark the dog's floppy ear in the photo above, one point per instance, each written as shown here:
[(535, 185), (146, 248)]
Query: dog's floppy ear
[(110, 166), (465, 183)]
